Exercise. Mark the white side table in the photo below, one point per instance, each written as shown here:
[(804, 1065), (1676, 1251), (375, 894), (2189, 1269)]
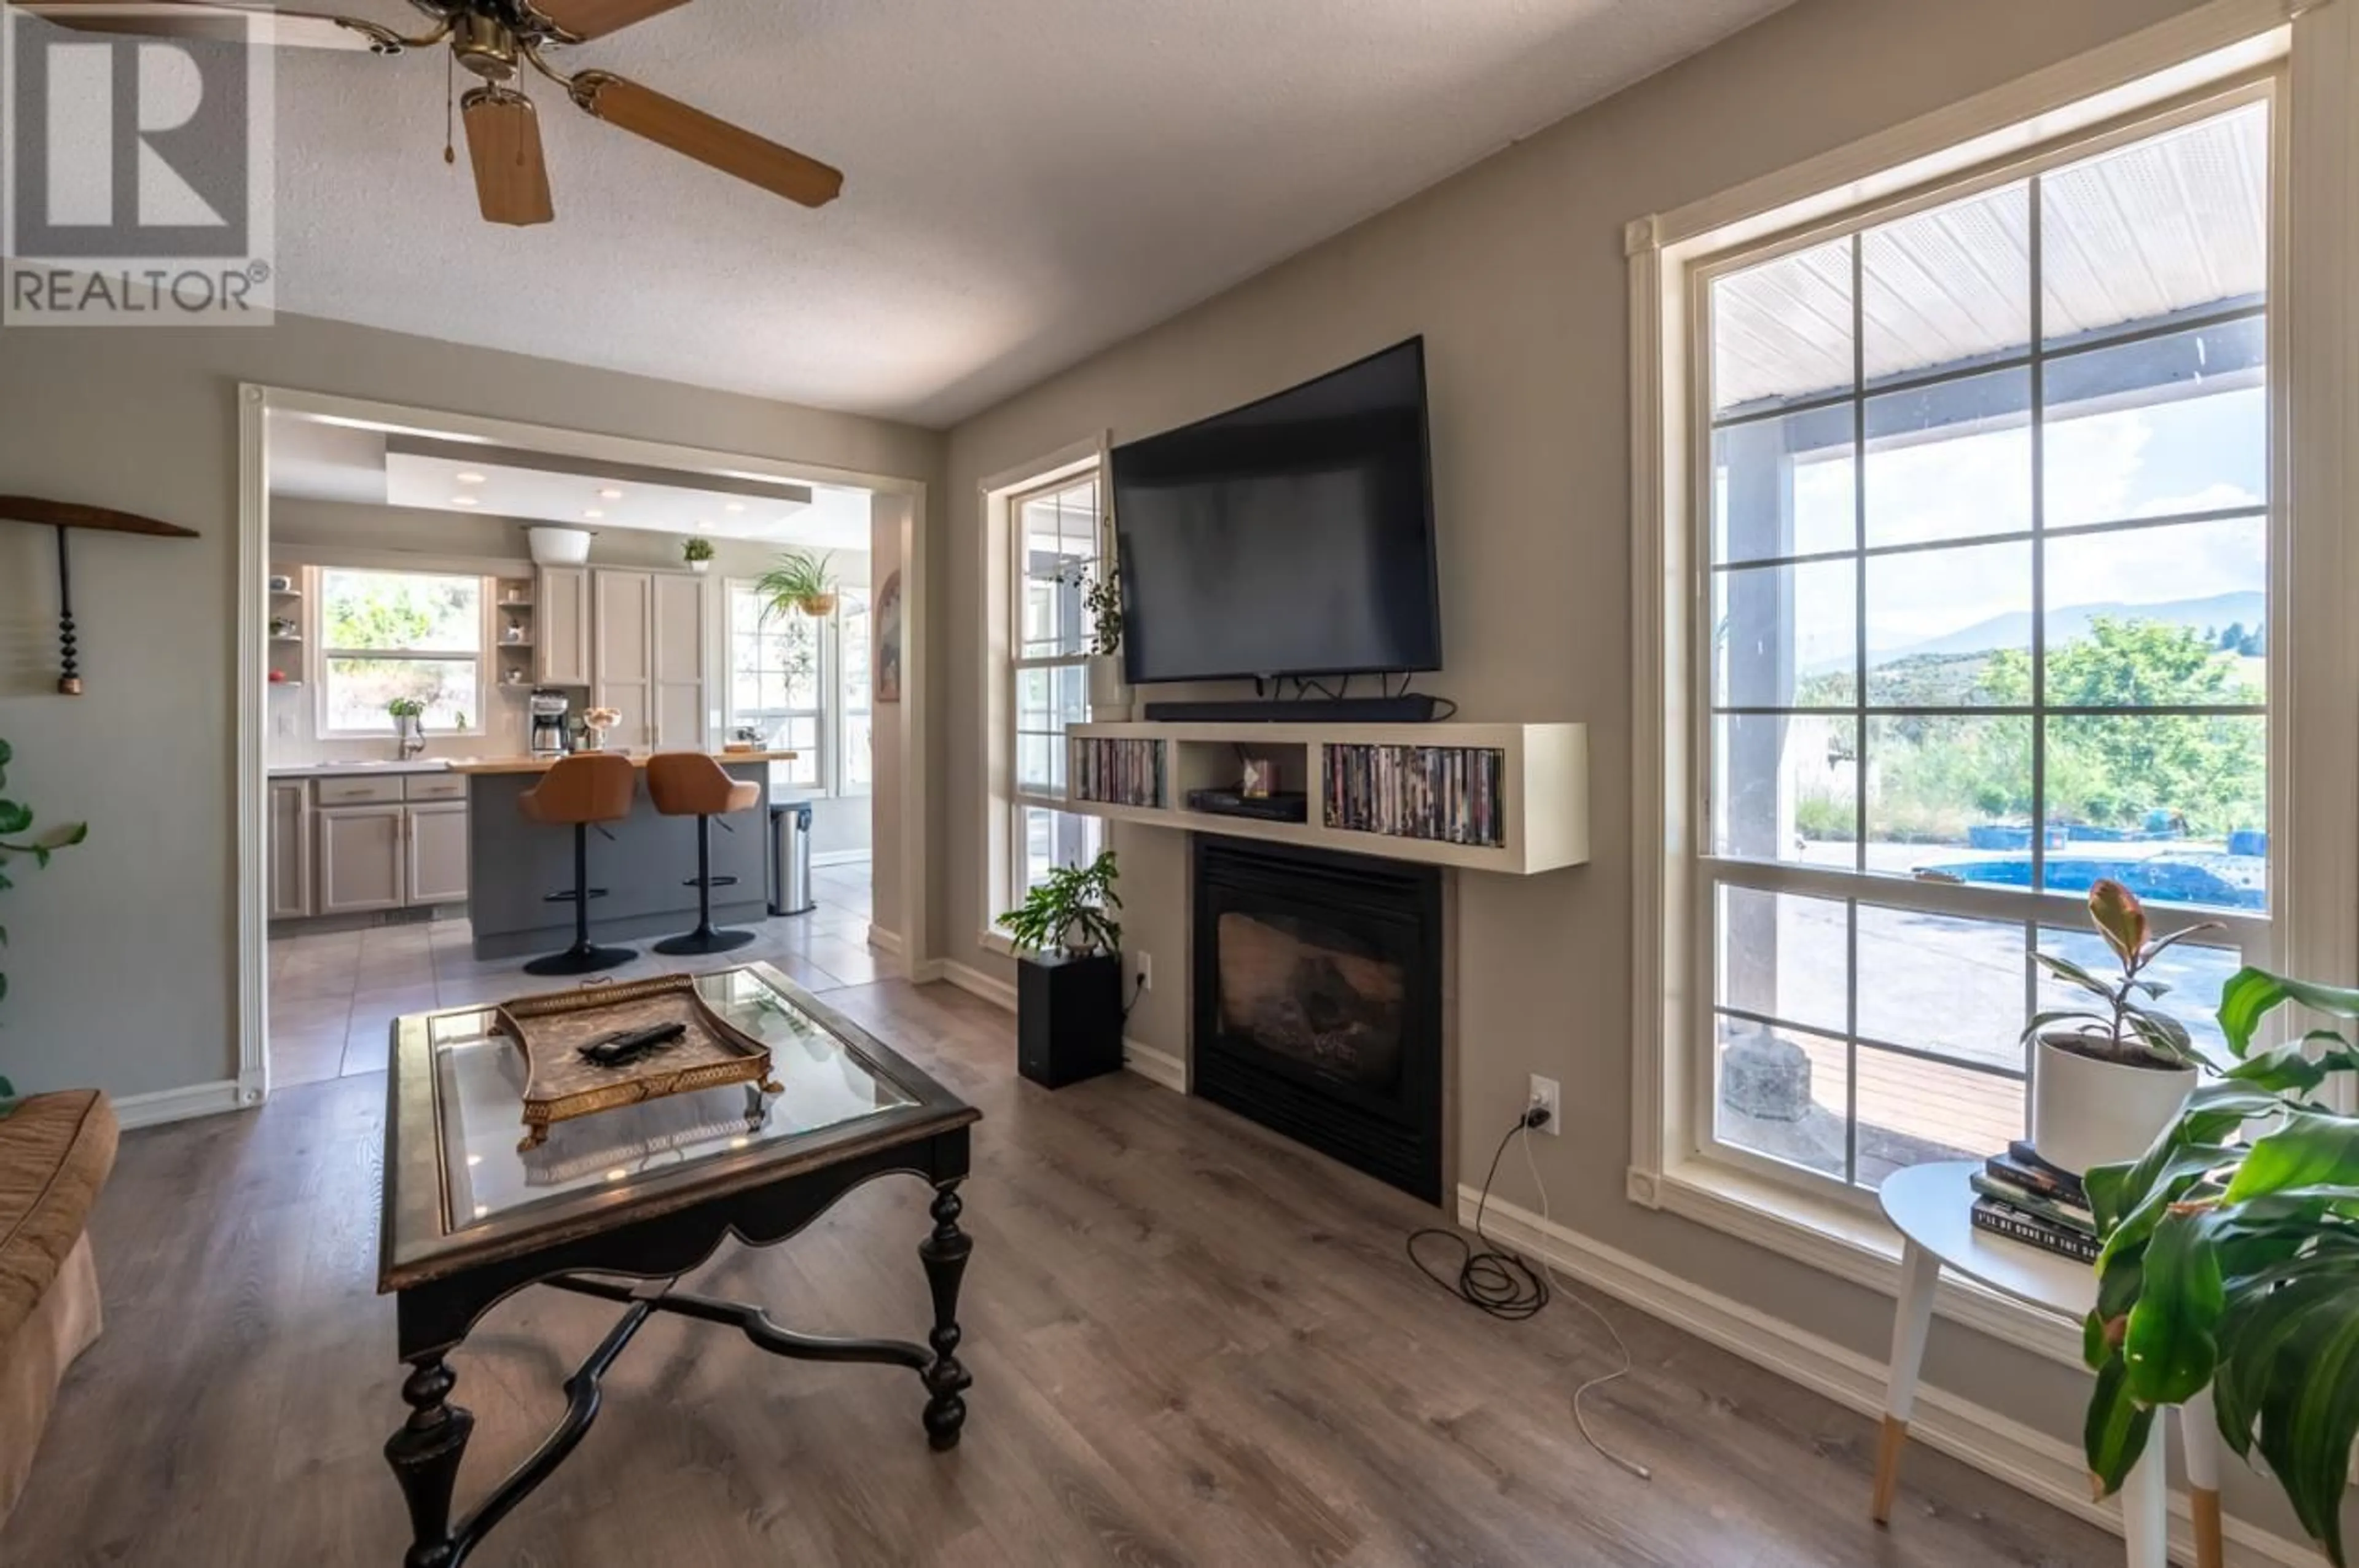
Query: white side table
[(1931, 1205)]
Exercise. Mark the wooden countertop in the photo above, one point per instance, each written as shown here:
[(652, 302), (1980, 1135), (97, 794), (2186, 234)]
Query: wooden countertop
[(542, 764)]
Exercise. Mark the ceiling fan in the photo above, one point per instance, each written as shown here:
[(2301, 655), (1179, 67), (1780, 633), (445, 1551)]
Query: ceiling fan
[(493, 40)]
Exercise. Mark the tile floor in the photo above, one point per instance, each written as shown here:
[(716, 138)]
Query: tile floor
[(332, 995)]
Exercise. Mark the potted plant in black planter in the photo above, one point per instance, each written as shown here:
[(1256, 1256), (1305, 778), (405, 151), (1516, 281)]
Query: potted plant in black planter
[(1068, 975), (2107, 1080)]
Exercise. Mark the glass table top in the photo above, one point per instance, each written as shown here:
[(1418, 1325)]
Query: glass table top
[(478, 1081)]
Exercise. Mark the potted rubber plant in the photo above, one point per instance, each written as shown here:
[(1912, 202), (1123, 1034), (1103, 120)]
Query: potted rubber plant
[(2106, 1080), (17, 838), (2230, 1262), (798, 581), (697, 553), (1067, 974)]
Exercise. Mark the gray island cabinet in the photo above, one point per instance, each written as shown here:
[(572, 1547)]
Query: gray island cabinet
[(513, 864)]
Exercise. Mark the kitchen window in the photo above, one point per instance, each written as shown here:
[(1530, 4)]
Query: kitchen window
[(1983, 523), (779, 673), (1056, 532), (854, 727), (389, 635)]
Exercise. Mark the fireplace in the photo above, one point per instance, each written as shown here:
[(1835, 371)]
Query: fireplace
[(1318, 1002)]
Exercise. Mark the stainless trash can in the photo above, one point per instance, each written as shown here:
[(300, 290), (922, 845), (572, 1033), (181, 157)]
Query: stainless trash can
[(790, 883)]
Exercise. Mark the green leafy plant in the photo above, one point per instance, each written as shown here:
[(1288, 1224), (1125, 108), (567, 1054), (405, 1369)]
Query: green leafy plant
[(2126, 1032), (1100, 584), (17, 838), (406, 707), (798, 581), (2230, 1262), (696, 549), (1072, 911)]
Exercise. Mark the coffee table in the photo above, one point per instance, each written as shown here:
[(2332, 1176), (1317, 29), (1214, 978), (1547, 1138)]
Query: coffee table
[(619, 1204)]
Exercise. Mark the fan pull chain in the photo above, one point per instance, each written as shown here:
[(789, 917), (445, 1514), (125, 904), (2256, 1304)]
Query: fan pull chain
[(449, 97)]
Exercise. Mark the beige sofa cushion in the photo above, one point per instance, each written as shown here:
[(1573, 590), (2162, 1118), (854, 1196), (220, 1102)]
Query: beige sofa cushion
[(55, 1153)]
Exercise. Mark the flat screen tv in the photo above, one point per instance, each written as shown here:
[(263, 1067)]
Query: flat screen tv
[(1292, 536)]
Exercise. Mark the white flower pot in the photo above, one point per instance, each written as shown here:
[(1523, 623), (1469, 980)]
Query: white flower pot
[(1109, 695), (2086, 1113)]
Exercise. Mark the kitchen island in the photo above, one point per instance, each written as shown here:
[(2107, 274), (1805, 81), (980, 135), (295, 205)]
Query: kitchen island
[(513, 864)]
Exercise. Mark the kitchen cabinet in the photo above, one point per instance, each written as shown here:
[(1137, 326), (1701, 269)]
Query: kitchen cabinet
[(436, 866), (290, 849), (361, 851), (622, 654), (677, 663), (561, 621)]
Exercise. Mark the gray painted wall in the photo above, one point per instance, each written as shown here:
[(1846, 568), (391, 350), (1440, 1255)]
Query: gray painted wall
[(123, 955), (1515, 273)]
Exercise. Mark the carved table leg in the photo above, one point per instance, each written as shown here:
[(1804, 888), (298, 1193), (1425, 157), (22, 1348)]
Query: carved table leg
[(425, 1455), (944, 1254)]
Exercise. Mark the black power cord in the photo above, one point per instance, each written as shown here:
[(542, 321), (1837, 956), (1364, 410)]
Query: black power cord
[(1498, 1282)]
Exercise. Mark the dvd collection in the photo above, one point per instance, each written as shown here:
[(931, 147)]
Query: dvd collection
[(1116, 773), (1455, 793)]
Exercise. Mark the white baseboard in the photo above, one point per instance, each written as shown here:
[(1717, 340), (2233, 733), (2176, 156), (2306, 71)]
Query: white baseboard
[(976, 983), (2030, 1461), (822, 858), (884, 941), (1155, 1066), (176, 1105)]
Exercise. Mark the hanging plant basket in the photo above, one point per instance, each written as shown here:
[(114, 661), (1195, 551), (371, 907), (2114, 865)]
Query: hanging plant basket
[(817, 606)]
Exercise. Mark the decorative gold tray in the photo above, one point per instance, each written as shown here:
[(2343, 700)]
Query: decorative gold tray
[(560, 1085)]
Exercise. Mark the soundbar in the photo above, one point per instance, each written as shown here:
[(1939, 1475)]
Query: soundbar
[(1415, 708)]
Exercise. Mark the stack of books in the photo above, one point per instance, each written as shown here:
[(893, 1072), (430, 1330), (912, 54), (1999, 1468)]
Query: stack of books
[(2024, 1198)]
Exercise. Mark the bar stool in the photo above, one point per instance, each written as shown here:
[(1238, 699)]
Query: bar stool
[(690, 784), (578, 791)]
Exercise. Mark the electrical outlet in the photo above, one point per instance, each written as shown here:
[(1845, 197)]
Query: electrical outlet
[(1146, 972), (1545, 1093)]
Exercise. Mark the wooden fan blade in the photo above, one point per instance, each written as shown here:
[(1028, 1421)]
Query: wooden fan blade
[(504, 143), (580, 19), (644, 111), (199, 20)]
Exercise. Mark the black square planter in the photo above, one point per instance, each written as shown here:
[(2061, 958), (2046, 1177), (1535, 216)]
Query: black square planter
[(1068, 1017)]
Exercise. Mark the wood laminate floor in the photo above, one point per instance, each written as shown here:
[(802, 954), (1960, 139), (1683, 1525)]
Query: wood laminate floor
[(1192, 1341)]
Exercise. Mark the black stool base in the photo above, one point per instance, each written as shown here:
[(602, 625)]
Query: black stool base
[(704, 942), (581, 960)]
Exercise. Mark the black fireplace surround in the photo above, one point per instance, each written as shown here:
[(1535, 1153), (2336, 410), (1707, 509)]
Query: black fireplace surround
[(1317, 1001)]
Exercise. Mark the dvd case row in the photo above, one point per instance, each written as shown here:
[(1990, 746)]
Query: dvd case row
[(1454, 794), (1116, 772)]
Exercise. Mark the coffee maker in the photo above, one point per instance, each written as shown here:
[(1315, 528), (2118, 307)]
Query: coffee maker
[(549, 709)]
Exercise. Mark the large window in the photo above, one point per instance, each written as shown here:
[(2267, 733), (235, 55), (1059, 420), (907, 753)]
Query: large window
[(1985, 520), (390, 635), (777, 673), (1055, 535)]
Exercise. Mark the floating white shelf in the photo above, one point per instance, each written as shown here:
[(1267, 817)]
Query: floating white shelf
[(1544, 793)]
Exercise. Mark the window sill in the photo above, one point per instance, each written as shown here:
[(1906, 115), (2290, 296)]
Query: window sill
[(996, 942), (1850, 1244)]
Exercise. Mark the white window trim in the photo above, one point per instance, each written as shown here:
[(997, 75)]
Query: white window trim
[(995, 691), (1019, 798), (2314, 383), (317, 653)]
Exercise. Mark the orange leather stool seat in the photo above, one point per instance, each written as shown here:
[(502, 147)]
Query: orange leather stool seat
[(690, 784), (577, 792)]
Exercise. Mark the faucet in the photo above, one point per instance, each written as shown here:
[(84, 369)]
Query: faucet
[(413, 740)]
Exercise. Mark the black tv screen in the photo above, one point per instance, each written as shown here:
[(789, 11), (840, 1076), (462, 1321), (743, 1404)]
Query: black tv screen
[(1293, 536)]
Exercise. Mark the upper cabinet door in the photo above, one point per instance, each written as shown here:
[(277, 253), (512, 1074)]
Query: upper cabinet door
[(624, 643), (562, 620), (677, 698)]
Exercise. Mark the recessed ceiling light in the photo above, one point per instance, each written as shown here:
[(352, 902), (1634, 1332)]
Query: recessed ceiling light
[(703, 526), (735, 506), (468, 478), (594, 514), (610, 494), (464, 501)]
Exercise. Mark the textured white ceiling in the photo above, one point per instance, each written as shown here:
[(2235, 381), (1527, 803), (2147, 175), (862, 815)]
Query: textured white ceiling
[(1028, 180)]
